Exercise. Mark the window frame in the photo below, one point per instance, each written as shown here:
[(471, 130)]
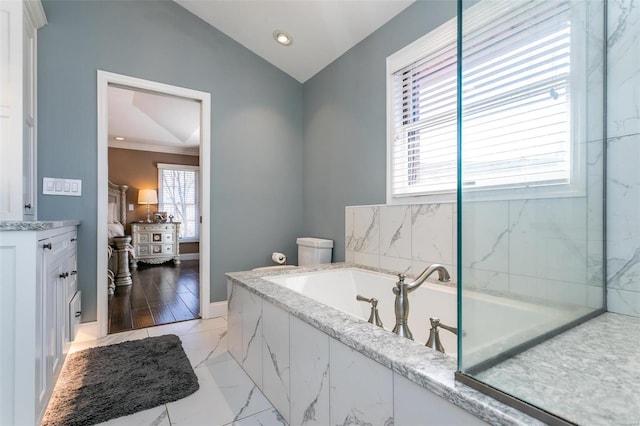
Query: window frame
[(182, 167), (439, 38)]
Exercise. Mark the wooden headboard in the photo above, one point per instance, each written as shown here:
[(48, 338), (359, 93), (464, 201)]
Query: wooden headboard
[(118, 195)]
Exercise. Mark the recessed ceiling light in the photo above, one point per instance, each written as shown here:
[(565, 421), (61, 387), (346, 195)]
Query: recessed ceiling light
[(119, 138), (282, 37)]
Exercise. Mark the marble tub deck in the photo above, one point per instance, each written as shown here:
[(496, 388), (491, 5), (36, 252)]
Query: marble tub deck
[(429, 369), (589, 375)]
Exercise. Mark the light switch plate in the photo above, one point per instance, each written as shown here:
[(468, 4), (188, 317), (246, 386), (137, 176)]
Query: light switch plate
[(59, 186), (130, 207)]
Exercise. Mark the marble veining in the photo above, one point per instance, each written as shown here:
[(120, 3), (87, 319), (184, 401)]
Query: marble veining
[(310, 411), (431, 370), (600, 372), (26, 225), (623, 154)]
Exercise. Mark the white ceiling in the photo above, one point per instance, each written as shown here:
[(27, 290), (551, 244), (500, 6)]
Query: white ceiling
[(322, 30), (153, 122)]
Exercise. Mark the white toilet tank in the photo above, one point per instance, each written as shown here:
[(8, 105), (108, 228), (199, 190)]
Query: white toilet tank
[(313, 251)]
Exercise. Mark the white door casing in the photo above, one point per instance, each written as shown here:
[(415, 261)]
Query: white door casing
[(104, 80)]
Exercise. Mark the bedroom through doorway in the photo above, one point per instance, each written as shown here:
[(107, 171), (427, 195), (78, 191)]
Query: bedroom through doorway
[(154, 208)]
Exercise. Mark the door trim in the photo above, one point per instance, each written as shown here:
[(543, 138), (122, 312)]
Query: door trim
[(104, 79)]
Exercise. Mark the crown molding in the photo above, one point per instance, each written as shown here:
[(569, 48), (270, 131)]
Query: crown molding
[(140, 146), (35, 11)]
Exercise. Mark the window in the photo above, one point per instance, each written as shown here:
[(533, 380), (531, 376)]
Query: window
[(178, 196), (517, 129)]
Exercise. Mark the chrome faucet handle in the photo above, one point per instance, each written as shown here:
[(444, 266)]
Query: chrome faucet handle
[(399, 284), (434, 336), (435, 323), (372, 300), (374, 318)]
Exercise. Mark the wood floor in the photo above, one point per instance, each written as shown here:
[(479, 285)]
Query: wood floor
[(160, 294)]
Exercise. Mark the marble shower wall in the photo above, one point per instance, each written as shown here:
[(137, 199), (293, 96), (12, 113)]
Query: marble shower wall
[(623, 157)]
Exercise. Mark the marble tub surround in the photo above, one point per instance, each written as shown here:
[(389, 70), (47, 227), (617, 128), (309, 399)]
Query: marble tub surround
[(525, 248), (35, 225), (344, 341), (403, 239)]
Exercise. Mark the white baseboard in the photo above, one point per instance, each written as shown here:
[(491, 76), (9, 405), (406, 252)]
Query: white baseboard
[(218, 309), (86, 331), (190, 256)]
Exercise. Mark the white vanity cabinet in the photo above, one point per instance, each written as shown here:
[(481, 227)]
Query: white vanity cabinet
[(39, 271), (19, 23)]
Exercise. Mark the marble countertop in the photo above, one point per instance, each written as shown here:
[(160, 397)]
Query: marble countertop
[(424, 366), (35, 225)]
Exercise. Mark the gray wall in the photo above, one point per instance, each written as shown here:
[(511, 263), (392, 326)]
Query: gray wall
[(256, 125), (345, 123)]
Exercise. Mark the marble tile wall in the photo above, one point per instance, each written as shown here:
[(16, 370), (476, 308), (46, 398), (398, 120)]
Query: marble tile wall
[(623, 157), (529, 248), (403, 239), (313, 379)]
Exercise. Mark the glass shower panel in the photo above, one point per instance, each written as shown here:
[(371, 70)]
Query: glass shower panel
[(530, 176)]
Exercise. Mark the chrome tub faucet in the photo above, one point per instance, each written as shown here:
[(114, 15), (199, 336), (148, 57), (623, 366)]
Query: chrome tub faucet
[(402, 290)]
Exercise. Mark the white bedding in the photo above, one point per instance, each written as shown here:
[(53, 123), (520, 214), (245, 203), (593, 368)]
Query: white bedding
[(115, 230)]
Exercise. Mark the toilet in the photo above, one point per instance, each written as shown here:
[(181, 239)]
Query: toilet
[(311, 251)]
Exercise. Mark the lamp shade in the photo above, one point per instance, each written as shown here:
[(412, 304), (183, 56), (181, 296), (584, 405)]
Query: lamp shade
[(147, 196)]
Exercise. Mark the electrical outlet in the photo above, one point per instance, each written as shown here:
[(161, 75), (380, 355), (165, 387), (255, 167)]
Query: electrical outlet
[(130, 207)]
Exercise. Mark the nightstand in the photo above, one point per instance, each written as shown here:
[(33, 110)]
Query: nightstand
[(156, 243)]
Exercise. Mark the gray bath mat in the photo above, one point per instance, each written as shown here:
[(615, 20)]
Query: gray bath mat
[(102, 383)]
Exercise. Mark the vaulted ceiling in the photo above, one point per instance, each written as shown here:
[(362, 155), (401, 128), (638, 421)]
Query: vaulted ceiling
[(322, 30)]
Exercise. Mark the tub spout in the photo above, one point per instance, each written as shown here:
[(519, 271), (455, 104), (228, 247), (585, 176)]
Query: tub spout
[(402, 290)]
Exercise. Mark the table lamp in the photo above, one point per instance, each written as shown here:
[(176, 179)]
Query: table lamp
[(148, 197)]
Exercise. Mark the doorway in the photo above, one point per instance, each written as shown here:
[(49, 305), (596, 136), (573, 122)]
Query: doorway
[(161, 277)]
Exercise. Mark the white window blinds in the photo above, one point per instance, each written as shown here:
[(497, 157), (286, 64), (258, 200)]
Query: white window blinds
[(178, 196), (516, 102)]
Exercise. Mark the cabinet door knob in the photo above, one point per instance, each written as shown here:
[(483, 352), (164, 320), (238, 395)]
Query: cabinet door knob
[(74, 272), (27, 206), (74, 239), (64, 275), (47, 246), (78, 313)]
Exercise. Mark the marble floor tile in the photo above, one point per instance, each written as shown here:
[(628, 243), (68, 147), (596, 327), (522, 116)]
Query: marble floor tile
[(158, 416), (189, 327), (111, 339), (203, 346), (226, 395), (266, 418)]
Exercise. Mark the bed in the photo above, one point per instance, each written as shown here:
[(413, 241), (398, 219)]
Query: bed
[(119, 244)]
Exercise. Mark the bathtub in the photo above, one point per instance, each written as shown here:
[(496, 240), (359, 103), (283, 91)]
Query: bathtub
[(303, 338), (490, 334), (338, 289)]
